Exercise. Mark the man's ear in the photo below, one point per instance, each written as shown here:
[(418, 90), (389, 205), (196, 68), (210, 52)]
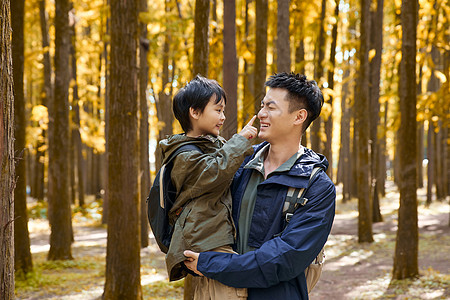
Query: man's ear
[(194, 113), (300, 116)]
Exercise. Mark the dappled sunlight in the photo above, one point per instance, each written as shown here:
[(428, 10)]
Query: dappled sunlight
[(39, 248), (148, 279), (370, 289), (353, 258)]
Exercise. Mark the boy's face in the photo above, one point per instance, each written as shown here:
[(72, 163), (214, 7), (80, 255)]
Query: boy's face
[(211, 119)]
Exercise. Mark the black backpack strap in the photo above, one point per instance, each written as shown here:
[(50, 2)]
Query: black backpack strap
[(168, 166), (184, 148), (295, 198)]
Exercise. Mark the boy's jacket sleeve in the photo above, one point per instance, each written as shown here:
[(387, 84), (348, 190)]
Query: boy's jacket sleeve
[(202, 173), (282, 258)]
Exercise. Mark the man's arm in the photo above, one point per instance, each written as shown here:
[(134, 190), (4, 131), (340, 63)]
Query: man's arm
[(281, 258)]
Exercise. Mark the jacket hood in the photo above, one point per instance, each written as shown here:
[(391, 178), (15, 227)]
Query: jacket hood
[(173, 142)]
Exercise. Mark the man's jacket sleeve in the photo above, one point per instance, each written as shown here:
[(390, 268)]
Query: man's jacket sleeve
[(282, 258)]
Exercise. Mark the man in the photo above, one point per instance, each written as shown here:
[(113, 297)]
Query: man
[(272, 266)]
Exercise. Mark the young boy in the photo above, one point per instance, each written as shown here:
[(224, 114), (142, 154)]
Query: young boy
[(202, 210)]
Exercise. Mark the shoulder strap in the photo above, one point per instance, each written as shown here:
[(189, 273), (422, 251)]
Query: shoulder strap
[(184, 148), (295, 197)]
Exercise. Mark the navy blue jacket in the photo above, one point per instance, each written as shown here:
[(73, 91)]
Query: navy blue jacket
[(275, 270)]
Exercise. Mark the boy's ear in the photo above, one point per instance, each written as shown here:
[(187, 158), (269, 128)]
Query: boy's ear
[(301, 116), (194, 113)]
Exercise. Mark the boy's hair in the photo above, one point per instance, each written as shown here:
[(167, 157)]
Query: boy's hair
[(195, 94), (302, 93)]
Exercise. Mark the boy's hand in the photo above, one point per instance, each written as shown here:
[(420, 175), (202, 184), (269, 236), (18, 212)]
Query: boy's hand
[(249, 132)]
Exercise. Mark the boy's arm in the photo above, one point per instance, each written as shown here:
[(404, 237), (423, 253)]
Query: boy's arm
[(211, 172)]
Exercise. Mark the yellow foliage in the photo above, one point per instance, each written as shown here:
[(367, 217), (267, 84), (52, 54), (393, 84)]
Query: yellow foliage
[(440, 75), (372, 54), (326, 111), (39, 114), (247, 55)]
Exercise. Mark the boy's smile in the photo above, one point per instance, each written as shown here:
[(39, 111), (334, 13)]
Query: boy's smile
[(209, 121)]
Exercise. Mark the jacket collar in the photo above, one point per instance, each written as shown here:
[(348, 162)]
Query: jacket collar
[(257, 162), (298, 175)]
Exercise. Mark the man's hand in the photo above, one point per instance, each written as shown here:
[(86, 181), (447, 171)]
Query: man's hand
[(191, 261), (249, 131)]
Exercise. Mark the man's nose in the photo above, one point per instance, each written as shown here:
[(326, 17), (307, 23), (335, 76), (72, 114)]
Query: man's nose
[(262, 113)]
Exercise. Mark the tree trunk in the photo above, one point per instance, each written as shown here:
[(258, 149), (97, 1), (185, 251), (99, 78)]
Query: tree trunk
[(430, 166), (22, 254), (432, 149), (354, 147), (230, 67), (362, 130), (201, 45), (283, 45), (47, 96), (164, 101), (215, 48), (6, 157), (344, 167), (407, 242), (76, 137), (260, 67), (72, 169), (376, 42), (328, 123), (420, 153), (300, 56), (247, 79), (440, 192), (59, 198), (382, 154), (122, 278), (316, 141), (143, 126), (107, 85)]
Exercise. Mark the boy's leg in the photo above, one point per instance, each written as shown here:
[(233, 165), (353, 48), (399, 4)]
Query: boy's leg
[(219, 291), (201, 291), (209, 289)]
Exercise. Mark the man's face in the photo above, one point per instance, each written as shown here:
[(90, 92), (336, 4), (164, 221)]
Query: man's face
[(275, 119)]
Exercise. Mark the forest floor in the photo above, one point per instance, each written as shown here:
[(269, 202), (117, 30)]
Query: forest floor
[(351, 271)]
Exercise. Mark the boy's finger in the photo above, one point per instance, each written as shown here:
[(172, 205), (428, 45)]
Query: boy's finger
[(250, 123)]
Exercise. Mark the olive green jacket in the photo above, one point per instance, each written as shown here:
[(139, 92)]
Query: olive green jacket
[(202, 210)]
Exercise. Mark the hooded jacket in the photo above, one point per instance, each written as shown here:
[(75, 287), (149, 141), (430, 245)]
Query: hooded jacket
[(275, 270), (202, 210)]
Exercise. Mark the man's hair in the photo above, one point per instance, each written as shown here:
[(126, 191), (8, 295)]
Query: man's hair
[(195, 94), (302, 93)]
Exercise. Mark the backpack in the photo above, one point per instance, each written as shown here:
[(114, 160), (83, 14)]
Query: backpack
[(161, 198), (294, 198)]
